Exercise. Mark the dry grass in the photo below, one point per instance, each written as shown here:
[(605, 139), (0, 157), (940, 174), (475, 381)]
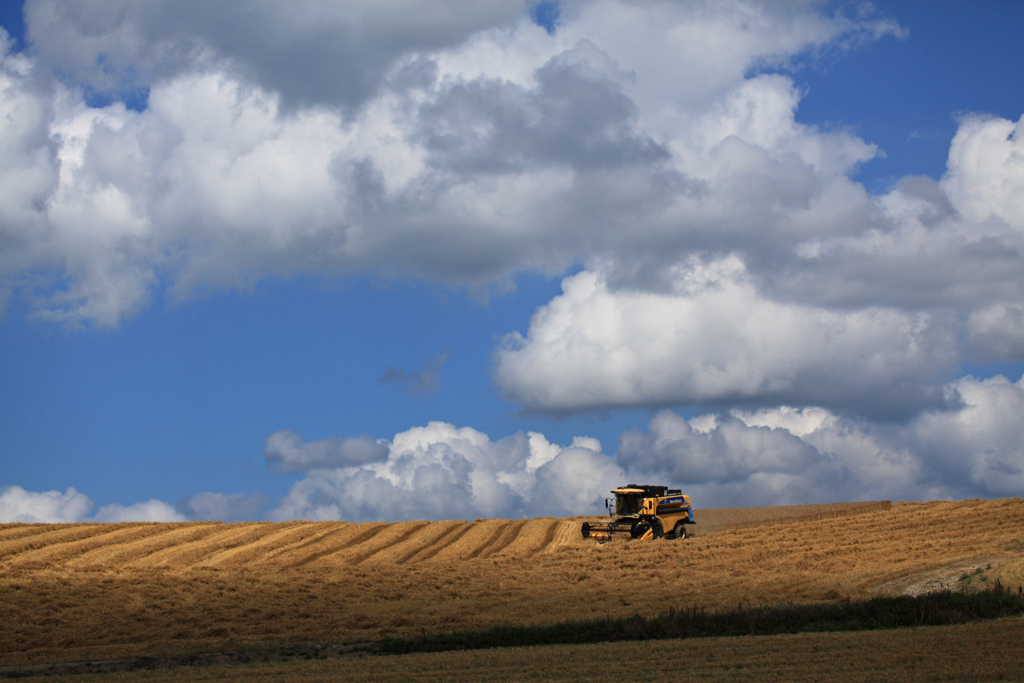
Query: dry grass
[(91, 591), (722, 519)]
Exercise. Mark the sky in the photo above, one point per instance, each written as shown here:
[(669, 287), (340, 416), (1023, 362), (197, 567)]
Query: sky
[(420, 260)]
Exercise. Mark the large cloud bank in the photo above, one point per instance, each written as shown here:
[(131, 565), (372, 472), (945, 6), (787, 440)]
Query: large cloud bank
[(650, 143)]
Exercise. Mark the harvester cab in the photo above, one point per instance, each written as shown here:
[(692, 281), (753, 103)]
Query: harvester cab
[(643, 512)]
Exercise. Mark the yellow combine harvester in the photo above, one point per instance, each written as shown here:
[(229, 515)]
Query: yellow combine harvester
[(643, 512)]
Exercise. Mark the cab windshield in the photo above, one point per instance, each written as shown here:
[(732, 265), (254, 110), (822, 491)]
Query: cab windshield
[(627, 504)]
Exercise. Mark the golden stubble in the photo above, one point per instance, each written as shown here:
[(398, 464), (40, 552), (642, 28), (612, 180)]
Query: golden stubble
[(89, 591)]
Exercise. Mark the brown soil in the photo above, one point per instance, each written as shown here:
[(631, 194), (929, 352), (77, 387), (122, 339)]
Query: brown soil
[(944, 578)]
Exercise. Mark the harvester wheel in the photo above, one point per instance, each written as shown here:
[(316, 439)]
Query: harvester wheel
[(680, 532), (657, 529), (639, 529)]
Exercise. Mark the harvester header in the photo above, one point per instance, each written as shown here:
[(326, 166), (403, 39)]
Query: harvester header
[(643, 511)]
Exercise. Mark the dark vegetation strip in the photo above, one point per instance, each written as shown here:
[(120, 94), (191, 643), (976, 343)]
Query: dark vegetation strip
[(931, 609)]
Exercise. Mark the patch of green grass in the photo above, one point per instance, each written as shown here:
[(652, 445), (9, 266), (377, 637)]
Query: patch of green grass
[(978, 573), (876, 613)]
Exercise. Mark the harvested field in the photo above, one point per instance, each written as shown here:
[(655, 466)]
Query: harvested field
[(722, 519), (97, 591)]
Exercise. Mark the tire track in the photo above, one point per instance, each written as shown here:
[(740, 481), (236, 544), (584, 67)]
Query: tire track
[(404, 536), (450, 537), (356, 541)]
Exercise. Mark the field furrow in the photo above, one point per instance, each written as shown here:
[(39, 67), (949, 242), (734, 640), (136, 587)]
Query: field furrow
[(498, 529), (450, 538), (347, 541), (536, 537), (433, 538), (385, 544), (169, 536), (314, 546), (97, 550), (46, 536), (66, 550), (279, 550), (550, 533), (471, 541), (211, 539), (264, 538), (521, 539), (507, 539)]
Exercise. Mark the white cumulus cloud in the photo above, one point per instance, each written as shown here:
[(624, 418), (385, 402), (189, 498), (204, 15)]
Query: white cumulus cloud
[(985, 178), (800, 455), (768, 456), (148, 511), (444, 472), (72, 507), (980, 447), (714, 339), (19, 505), (458, 144)]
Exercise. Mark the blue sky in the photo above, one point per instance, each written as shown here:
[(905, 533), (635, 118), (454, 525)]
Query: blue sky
[(472, 266)]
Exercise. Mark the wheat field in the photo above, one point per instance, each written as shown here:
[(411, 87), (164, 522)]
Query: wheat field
[(105, 591)]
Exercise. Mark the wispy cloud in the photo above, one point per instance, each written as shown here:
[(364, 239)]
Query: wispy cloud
[(424, 382), (285, 451)]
